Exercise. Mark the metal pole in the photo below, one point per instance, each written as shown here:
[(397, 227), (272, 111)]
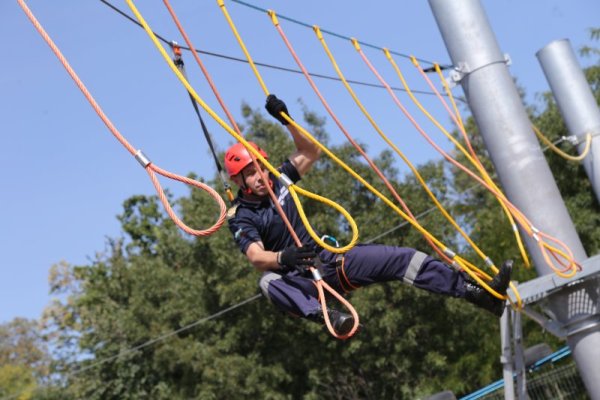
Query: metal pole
[(506, 358), (519, 356), (575, 101), (519, 161)]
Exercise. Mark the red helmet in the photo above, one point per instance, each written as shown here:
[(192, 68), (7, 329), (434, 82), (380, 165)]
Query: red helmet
[(237, 157)]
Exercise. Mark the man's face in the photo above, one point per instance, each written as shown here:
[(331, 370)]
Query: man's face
[(251, 178)]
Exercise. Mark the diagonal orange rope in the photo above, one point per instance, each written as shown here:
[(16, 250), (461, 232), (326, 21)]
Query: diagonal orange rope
[(540, 237), (357, 146), (148, 166)]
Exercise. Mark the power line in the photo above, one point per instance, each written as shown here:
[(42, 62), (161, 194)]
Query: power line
[(163, 336), (147, 343), (266, 65)]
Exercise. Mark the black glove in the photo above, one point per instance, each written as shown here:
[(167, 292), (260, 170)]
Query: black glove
[(298, 258), (275, 106)]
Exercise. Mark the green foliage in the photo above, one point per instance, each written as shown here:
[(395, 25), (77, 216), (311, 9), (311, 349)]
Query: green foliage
[(23, 358)]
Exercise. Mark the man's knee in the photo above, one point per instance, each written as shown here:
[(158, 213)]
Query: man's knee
[(265, 280)]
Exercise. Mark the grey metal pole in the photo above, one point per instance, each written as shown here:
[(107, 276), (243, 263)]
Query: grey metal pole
[(519, 356), (507, 358), (518, 159), (575, 102)]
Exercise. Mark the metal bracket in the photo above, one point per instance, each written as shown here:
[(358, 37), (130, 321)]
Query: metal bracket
[(462, 69), (546, 286)]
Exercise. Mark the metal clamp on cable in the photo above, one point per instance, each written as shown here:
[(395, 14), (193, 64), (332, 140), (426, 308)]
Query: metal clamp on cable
[(463, 69), (176, 48), (285, 181), (316, 274), (142, 159), (449, 253)]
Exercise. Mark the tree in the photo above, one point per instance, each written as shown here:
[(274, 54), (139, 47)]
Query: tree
[(23, 358)]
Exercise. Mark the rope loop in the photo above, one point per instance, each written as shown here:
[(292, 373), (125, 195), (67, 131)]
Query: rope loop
[(139, 156)]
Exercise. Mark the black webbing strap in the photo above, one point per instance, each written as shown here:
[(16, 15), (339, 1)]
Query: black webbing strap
[(178, 61)]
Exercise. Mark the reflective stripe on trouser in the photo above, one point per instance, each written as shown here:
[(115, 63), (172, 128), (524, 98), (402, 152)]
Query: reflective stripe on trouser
[(363, 266), (290, 293), (368, 264)]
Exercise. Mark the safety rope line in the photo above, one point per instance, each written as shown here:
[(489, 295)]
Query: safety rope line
[(320, 283), (337, 35), (468, 267), (580, 157), (459, 121), (472, 157), (261, 64), (178, 60), (357, 146), (492, 187), (151, 168), (388, 141), (529, 228), (540, 237), (555, 252), (457, 260), (417, 126), (232, 121)]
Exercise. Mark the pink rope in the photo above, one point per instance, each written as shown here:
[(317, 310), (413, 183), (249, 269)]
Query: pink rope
[(351, 139), (150, 168)]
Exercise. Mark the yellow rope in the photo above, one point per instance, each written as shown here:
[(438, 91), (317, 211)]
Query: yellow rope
[(491, 186), (391, 144), (584, 153), (243, 46), (477, 165), (292, 187), (456, 259), (485, 175)]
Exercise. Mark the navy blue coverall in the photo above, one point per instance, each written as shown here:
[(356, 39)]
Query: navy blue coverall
[(361, 266)]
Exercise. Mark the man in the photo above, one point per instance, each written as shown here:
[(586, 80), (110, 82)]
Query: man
[(263, 237)]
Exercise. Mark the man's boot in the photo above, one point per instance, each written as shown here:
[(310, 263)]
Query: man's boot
[(482, 298), (342, 323)]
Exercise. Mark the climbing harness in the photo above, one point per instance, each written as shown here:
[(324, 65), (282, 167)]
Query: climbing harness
[(150, 167)]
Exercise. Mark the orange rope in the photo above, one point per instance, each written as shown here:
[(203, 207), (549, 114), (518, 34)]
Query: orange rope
[(544, 247), (557, 254), (148, 166), (387, 183)]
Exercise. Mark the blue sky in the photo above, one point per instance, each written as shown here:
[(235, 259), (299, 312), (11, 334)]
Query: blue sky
[(65, 177)]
